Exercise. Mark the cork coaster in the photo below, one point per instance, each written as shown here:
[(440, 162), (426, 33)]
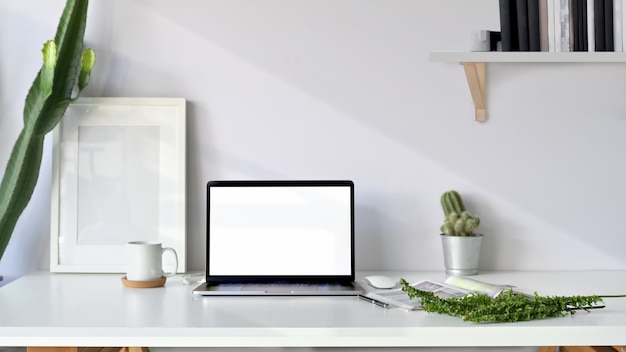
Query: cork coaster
[(143, 284)]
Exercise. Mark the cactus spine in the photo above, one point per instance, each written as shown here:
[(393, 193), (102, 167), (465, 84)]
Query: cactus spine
[(457, 222), (64, 61)]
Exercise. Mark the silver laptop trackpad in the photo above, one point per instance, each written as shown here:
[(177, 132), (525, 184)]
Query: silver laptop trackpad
[(279, 288)]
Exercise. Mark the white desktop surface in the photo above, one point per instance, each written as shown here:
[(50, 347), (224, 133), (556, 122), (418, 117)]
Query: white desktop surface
[(44, 309)]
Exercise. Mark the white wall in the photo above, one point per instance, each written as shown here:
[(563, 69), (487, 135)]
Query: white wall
[(287, 89)]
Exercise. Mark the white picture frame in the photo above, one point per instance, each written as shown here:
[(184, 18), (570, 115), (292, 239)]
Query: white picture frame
[(118, 176)]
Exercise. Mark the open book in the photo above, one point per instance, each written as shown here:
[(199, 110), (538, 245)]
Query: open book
[(454, 286)]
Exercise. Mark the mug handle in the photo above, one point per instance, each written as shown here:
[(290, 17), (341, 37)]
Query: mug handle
[(168, 249)]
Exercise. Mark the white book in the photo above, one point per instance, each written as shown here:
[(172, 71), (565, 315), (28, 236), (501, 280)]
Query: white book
[(618, 31), (543, 25), (551, 35), (557, 24), (623, 12), (564, 20), (591, 33)]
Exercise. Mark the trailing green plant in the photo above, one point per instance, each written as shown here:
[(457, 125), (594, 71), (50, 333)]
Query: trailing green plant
[(64, 62), (508, 306), (457, 221)]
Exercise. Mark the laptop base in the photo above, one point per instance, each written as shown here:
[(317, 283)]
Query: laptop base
[(349, 289)]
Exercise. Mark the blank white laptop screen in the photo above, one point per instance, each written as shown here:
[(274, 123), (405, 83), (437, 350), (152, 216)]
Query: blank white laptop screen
[(280, 231)]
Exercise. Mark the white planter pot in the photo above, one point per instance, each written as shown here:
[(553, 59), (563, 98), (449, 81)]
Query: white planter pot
[(461, 254)]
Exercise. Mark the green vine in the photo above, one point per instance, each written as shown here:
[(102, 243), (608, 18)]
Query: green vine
[(506, 307)]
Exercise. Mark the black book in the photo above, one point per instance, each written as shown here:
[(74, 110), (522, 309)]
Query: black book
[(575, 22), (598, 25), (508, 25), (579, 23), (534, 38), (584, 35), (522, 24), (609, 45)]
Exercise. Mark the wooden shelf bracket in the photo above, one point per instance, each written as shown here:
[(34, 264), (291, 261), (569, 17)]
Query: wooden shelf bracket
[(475, 73), (474, 63)]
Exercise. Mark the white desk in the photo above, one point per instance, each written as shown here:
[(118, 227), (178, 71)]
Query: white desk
[(43, 309)]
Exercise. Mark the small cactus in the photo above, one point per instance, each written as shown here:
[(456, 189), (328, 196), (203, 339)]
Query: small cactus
[(457, 222), (452, 202)]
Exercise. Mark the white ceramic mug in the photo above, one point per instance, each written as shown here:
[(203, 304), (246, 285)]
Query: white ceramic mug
[(145, 261), (480, 40)]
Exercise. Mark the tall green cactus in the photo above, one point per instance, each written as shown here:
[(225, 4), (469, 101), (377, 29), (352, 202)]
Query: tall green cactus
[(457, 222), (45, 105)]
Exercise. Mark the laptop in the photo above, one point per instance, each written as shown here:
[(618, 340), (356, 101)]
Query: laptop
[(280, 238)]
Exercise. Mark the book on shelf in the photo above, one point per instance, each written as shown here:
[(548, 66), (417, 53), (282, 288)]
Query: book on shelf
[(550, 29), (454, 286), (618, 29), (508, 25), (563, 25), (521, 12), (584, 28), (578, 21), (544, 36), (534, 24), (556, 25), (598, 25), (623, 31), (609, 43), (520, 25), (590, 26), (575, 22)]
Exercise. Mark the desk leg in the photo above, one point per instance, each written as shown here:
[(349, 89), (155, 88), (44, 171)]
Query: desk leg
[(87, 349), (547, 349), (52, 349), (135, 349)]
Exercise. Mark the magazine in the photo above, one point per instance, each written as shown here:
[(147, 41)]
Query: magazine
[(454, 286)]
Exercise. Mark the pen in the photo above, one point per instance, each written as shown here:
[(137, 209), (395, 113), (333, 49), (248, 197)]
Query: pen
[(374, 301)]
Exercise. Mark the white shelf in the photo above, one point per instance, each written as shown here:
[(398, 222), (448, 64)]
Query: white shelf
[(520, 57), (475, 66)]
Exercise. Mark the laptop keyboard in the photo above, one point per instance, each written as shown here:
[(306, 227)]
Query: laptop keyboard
[(286, 288)]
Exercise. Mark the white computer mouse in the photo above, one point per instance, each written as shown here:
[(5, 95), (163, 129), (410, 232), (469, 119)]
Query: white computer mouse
[(380, 281)]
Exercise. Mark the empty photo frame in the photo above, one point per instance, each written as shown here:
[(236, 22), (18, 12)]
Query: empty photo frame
[(118, 176)]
